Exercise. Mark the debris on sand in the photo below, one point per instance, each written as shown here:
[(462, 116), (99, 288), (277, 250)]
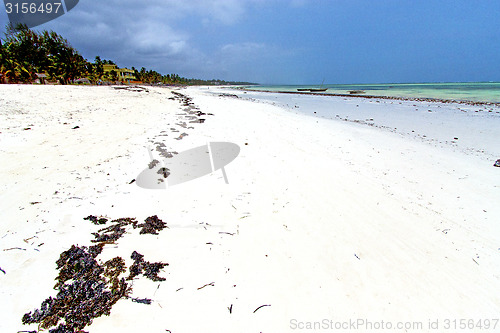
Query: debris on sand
[(497, 163), (181, 136), (261, 307), (153, 163), (206, 285), (112, 233), (132, 88), (149, 270), (87, 287), (141, 300), (152, 225), (96, 220), (87, 290), (108, 235), (165, 172), (228, 95)]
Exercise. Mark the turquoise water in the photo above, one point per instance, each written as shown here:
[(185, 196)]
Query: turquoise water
[(471, 91)]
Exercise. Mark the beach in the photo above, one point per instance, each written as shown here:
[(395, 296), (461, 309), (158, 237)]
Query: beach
[(336, 211)]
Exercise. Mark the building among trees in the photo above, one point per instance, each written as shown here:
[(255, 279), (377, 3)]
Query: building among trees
[(124, 75)]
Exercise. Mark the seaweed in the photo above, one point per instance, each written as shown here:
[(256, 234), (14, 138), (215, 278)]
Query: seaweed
[(125, 221), (112, 233), (142, 300), (96, 250), (165, 172), (112, 270), (108, 235), (149, 270), (152, 225), (153, 163), (76, 263), (86, 290), (96, 220)]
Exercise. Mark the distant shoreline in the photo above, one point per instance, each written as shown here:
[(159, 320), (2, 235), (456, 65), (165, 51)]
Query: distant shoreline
[(417, 99)]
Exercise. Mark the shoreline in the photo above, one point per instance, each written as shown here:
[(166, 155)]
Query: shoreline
[(416, 99), (321, 218)]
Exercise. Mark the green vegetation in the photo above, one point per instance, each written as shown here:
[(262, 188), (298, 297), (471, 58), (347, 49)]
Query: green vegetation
[(24, 53), (27, 56)]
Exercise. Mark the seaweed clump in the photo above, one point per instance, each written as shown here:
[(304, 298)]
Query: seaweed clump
[(152, 225), (96, 220), (149, 270), (86, 290)]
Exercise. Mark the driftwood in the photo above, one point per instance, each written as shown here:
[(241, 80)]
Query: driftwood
[(208, 284), (261, 307)]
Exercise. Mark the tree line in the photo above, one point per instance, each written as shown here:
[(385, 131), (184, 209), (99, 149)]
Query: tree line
[(24, 54)]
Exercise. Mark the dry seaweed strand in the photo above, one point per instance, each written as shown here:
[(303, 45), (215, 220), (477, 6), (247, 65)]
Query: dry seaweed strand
[(115, 231), (142, 300), (206, 285), (261, 307)]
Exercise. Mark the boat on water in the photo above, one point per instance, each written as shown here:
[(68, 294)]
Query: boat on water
[(312, 89), (320, 89), (356, 92)]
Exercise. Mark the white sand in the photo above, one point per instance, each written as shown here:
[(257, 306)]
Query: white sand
[(330, 219)]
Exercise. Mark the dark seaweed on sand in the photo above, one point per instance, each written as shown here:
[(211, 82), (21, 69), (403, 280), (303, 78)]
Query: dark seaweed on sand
[(112, 233), (152, 225), (86, 290), (165, 172), (153, 163), (141, 300), (140, 266), (108, 235), (96, 250), (96, 220)]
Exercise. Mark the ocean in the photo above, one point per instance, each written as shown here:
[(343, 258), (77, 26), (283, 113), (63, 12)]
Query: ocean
[(486, 92)]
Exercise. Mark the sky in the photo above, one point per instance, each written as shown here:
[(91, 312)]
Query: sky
[(292, 42)]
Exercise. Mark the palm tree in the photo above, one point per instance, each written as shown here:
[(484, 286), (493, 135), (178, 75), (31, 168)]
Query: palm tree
[(2, 63), (98, 67), (62, 62), (20, 55), (113, 75), (136, 74)]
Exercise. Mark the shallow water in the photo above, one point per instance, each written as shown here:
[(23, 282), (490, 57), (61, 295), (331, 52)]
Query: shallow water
[(469, 91), (471, 129)]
